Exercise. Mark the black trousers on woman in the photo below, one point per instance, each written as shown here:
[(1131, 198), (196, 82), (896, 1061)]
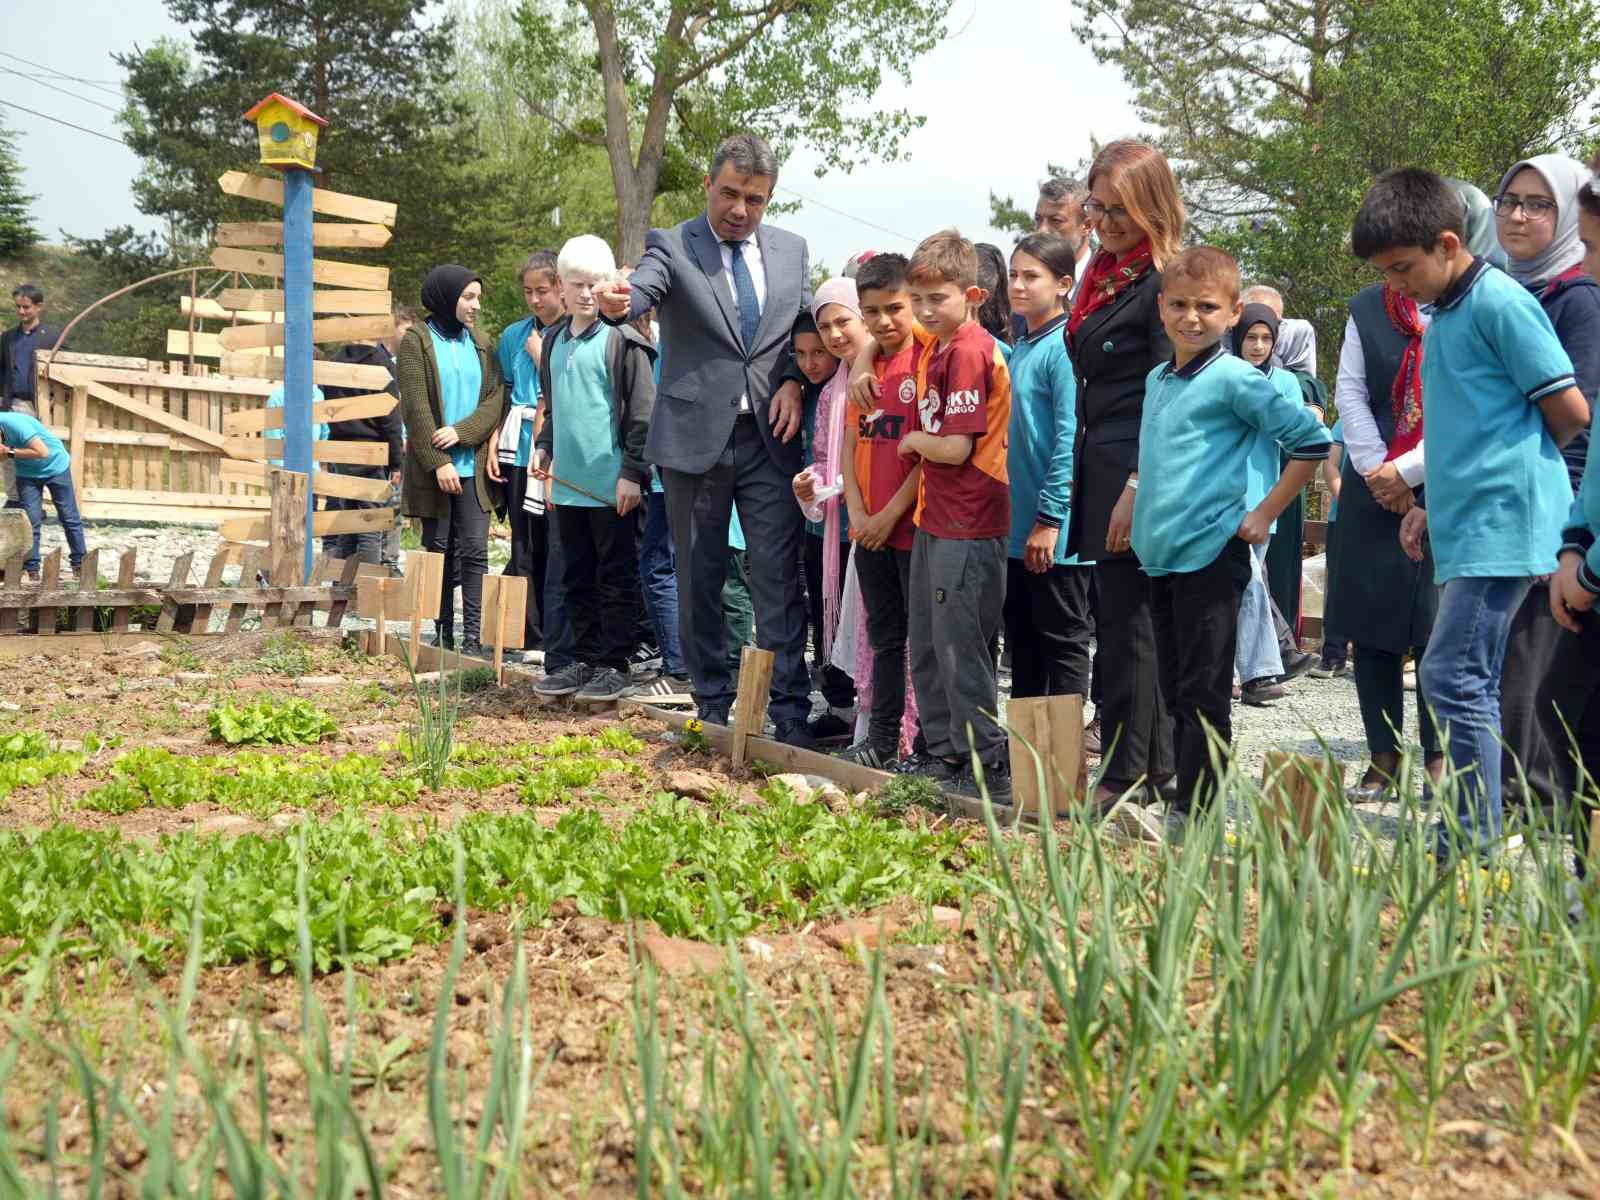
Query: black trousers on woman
[(1047, 630), (463, 539), (1134, 726), (1569, 713)]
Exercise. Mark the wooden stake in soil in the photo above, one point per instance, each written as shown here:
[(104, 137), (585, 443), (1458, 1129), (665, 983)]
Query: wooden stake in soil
[(1294, 787), (425, 580), (1052, 728), (507, 597), (88, 584), (127, 572), (287, 529), (750, 703)]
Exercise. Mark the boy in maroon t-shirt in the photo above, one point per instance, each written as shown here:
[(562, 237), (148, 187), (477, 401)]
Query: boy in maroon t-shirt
[(958, 556), (880, 488)]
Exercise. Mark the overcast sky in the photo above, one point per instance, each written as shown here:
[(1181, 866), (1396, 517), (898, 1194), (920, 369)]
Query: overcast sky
[(978, 136)]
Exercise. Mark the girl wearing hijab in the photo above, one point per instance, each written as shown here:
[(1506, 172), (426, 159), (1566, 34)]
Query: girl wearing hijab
[(1536, 211), (1115, 337), (1258, 657), (452, 398)]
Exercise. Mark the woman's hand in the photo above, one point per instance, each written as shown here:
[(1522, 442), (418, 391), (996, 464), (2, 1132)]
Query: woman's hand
[(1119, 531), (534, 346), (1389, 489), (445, 438), (449, 481), (627, 496), (494, 468), (539, 468), (1413, 528)]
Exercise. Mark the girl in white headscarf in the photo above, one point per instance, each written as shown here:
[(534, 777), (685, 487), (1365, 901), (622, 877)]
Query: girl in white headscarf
[(1536, 213)]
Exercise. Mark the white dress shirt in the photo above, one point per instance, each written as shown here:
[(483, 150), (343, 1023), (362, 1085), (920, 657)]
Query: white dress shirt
[(1362, 442), (1079, 270), (750, 251)]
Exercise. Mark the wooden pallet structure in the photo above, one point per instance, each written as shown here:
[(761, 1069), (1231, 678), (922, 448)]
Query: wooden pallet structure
[(57, 606), (360, 296)]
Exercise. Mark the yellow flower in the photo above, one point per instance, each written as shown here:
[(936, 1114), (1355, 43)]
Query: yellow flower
[(693, 725)]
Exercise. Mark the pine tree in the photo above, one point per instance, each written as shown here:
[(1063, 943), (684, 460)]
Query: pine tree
[(18, 233)]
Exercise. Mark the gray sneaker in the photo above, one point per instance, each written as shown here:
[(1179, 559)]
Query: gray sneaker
[(604, 687), (566, 681)]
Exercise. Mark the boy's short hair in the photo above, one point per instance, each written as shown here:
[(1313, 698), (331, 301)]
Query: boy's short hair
[(882, 273), (586, 254), (541, 262), (1407, 206), (804, 323), (944, 257), (31, 292), (1203, 264), (404, 314)]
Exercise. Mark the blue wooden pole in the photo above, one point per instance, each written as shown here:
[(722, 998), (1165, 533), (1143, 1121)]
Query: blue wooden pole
[(297, 384)]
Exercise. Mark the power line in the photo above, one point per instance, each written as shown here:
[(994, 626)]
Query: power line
[(55, 87), (80, 128), (98, 84), (849, 216)]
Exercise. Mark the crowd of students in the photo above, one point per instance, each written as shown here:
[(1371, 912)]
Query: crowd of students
[(1086, 448)]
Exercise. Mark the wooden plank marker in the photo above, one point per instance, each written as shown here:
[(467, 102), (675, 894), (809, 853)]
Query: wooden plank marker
[(49, 581), (378, 595), (425, 575), (1052, 728), (330, 235), (168, 619), (329, 329), (750, 702), (258, 366), (506, 596), (330, 204), (324, 271), (127, 572), (1294, 787), (88, 585), (263, 300)]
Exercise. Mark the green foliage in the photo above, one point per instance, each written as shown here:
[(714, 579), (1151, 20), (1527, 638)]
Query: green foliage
[(18, 233), (905, 792), (255, 784), (1276, 132), (27, 760), (293, 722), (696, 872), (476, 679), (431, 738), (284, 654)]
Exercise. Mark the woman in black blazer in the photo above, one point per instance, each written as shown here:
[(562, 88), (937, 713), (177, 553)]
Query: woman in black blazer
[(1115, 338)]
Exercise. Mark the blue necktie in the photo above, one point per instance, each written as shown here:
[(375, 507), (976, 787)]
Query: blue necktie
[(744, 287)]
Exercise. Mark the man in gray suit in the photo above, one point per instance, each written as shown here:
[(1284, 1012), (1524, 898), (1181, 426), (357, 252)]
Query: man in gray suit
[(727, 292)]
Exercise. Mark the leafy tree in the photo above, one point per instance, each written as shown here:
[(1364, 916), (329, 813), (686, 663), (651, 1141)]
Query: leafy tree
[(1277, 118), (378, 70), (1006, 212), (18, 233), (656, 83)]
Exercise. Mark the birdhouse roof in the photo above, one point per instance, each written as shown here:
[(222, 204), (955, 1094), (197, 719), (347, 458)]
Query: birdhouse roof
[(279, 98)]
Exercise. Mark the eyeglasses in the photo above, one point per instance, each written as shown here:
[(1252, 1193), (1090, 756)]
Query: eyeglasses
[(1094, 210), (1534, 208)]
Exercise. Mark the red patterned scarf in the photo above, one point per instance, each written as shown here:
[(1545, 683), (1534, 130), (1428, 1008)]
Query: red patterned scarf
[(1107, 276), (1407, 393)]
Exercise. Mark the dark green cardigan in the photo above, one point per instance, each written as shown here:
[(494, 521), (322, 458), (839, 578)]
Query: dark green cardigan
[(417, 371)]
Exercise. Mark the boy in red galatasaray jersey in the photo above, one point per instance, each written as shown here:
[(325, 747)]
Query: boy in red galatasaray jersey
[(881, 494), (958, 558)]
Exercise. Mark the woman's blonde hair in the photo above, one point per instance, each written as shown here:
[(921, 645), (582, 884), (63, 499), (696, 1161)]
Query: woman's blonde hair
[(1144, 184)]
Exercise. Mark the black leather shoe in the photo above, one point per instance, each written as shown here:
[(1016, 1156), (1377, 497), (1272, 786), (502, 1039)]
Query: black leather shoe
[(795, 733), (714, 716)]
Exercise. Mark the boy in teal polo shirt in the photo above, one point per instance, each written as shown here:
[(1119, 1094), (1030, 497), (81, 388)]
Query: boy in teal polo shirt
[(42, 464), (1499, 400), (599, 387), (1205, 413)]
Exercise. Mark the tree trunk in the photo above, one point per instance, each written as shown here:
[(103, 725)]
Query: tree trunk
[(634, 202)]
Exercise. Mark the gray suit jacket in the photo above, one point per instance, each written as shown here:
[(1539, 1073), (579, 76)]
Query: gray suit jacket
[(704, 365)]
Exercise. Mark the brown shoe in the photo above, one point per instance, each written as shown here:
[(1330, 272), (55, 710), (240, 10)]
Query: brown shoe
[(1091, 737)]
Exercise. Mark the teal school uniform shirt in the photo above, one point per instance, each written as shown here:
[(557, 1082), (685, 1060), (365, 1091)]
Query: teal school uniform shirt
[(1200, 426), (1263, 469), (1039, 438), (523, 372), (586, 450), (735, 532), (1498, 491), (17, 430), (460, 387), (322, 431)]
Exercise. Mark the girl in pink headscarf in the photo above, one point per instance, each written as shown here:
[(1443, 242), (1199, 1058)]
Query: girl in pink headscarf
[(837, 312)]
